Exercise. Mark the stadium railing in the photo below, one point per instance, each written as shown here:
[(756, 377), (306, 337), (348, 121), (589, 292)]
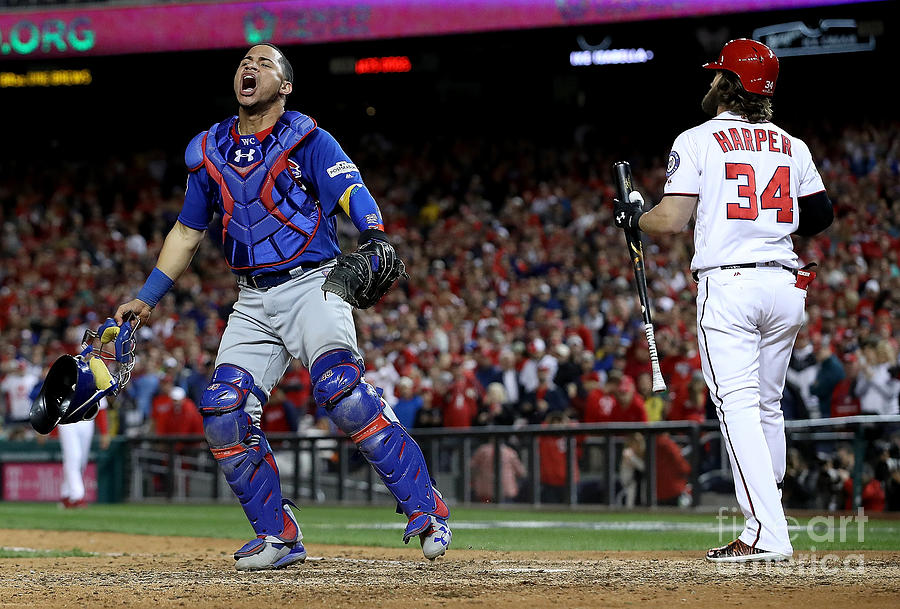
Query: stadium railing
[(328, 468)]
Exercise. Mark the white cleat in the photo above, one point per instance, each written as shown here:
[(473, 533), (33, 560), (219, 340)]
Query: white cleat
[(738, 551), (436, 538), (268, 553), (271, 551)]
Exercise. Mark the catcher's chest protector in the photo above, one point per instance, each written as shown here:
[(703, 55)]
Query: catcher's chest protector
[(268, 216)]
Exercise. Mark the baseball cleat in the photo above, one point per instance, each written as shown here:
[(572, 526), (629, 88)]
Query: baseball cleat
[(436, 538), (738, 551), (268, 552), (271, 551)]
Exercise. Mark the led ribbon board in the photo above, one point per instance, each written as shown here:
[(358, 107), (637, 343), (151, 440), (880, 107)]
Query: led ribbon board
[(111, 30)]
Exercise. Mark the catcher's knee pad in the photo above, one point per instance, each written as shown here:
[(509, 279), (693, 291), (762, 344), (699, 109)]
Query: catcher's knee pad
[(358, 410), (243, 453), (335, 375), (338, 386)]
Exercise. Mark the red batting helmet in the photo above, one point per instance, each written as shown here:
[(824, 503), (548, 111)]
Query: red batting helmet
[(755, 65)]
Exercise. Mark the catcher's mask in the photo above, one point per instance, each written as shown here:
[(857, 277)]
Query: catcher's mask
[(75, 384)]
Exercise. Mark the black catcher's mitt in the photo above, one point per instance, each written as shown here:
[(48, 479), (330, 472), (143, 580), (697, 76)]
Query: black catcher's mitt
[(364, 276)]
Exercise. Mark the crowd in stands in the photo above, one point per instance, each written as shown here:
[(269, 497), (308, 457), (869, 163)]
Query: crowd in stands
[(519, 309)]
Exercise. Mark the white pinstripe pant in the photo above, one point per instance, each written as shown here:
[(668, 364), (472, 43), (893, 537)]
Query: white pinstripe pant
[(747, 321)]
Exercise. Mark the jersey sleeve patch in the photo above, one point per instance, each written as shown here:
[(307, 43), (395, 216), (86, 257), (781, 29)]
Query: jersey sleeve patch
[(341, 167), (672, 164)]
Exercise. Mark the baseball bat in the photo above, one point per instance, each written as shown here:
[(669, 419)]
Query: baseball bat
[(624, 189)]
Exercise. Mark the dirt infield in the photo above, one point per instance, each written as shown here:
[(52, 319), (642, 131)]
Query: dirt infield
[(164, 572)]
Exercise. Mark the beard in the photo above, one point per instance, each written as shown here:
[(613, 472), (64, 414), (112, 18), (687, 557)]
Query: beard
[(710, 103), (259, 105)]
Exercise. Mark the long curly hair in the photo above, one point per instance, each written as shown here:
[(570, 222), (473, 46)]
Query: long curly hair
[(755, 108)]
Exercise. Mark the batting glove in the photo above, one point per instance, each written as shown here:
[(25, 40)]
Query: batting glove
[(627, 215)]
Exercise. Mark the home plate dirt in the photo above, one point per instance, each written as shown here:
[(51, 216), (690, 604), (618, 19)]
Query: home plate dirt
[(163, 572)]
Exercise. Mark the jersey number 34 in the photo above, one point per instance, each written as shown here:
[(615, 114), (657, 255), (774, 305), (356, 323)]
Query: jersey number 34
[(776, 194)]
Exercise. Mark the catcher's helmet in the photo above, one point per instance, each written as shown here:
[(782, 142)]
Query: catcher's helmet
[(75, 384), (755, 65), (69, 394)]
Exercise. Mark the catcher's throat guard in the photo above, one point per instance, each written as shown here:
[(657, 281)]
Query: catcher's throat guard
[(75, 384)]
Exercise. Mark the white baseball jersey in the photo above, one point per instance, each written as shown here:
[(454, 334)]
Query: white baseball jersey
[(747, 177), (17, 388)]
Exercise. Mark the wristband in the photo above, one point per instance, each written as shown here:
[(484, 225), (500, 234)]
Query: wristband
[(372, 233), (156, 286), (636, 219)]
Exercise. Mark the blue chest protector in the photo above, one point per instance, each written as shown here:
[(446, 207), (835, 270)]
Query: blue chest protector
[(269, 216)]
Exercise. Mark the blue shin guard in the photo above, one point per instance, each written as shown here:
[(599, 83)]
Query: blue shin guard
[(358, 410), (399, 461), (249, 467)]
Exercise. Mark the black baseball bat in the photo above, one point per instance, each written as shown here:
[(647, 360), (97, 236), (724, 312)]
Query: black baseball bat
[(624, 188)]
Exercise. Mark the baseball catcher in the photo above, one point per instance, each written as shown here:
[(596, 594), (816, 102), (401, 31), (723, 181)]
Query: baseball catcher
[(279, 181)]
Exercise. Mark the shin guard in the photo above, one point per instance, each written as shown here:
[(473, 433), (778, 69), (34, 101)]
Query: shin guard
[(358, 410), (399, 461), (244, 454)]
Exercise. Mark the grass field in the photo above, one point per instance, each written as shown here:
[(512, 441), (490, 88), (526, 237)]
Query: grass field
[(485, 528), (32, 553)]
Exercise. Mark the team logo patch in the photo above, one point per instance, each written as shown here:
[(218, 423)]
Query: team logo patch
[(672, 165), (296, 174), (341, 167), (244, 156), (294, 168)]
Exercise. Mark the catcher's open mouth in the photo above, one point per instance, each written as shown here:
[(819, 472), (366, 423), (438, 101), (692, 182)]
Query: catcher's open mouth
[(248, 84)]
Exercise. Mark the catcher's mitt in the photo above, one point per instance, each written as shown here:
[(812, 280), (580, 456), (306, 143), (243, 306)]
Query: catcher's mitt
[(364, 276)]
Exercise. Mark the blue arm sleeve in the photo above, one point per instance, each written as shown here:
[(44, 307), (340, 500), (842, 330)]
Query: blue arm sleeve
[(363, 209), (337, 181)]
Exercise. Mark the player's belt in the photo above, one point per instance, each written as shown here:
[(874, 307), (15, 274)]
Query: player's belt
[(264, 281), (747, 265)]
